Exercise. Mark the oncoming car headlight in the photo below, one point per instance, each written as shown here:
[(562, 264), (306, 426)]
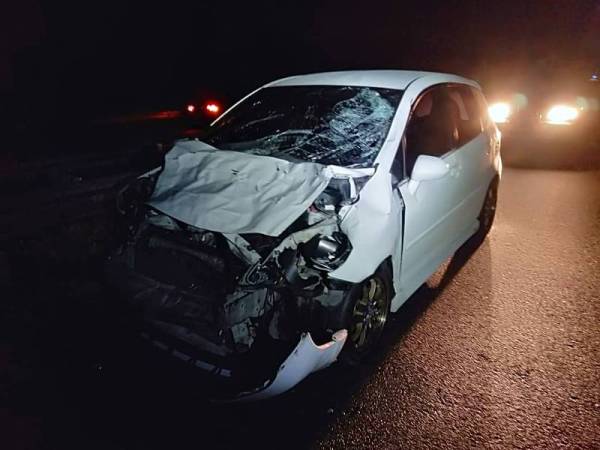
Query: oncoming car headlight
[(500, 112), (561, 115), (327, 252)]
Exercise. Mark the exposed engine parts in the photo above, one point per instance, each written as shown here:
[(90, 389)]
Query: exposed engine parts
[(223, 292)]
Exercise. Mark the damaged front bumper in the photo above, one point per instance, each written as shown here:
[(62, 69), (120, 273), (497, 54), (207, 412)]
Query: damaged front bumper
[(266, 370), (306, 358)]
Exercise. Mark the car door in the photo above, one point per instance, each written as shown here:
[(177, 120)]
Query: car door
[(471, 159), (431, 227)]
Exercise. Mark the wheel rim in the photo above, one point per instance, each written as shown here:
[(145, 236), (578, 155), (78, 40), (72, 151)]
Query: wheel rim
[(369, 315), (489, 210)]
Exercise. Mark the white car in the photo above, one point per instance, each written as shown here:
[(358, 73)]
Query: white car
[(315, 206)]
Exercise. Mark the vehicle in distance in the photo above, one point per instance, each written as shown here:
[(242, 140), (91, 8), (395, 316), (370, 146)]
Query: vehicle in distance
[(313, 208), (550, 112)]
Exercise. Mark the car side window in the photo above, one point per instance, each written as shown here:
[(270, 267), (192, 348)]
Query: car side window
[(483, 108), (433, 126), (469, 123)]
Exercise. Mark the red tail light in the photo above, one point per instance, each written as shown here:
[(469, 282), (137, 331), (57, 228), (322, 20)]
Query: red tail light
[(212, 108)]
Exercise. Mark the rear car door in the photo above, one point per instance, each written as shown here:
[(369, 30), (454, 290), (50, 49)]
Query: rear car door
[(470, 161)]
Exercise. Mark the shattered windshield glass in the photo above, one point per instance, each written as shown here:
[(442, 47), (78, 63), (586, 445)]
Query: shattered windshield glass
[(339, 125)]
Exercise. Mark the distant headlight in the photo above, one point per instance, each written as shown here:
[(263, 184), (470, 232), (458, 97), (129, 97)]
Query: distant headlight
[(561, 115), (499, 112)]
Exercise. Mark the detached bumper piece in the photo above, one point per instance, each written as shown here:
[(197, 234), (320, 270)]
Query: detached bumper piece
[(306, 358)]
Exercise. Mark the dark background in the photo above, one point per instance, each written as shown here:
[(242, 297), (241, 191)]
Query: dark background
[(63, 60)]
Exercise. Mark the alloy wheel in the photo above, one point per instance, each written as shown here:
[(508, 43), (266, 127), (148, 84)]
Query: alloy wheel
[(369, 315)]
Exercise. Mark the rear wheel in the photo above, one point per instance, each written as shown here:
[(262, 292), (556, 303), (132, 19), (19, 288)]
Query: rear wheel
[(488, 212), (366, 314)]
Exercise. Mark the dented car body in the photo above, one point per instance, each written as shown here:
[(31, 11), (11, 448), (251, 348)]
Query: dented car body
[(291, 231)]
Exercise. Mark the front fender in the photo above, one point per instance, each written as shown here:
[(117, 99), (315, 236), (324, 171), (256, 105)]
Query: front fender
[(374, 227)]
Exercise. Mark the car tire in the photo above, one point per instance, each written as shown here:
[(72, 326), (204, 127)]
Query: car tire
[(488, 212), (365, 314)]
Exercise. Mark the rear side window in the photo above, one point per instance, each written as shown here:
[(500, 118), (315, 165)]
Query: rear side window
[(483, 108)]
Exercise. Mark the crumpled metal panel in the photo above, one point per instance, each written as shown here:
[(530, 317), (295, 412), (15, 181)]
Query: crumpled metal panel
[(232, 192), (305, 359)]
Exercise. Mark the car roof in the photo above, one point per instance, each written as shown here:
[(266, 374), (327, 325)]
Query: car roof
[(391, 79)]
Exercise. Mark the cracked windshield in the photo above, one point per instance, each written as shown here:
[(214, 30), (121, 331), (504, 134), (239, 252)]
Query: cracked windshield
[(338, 125)]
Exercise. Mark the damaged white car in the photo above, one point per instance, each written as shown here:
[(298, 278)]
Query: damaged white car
[(314, 207)]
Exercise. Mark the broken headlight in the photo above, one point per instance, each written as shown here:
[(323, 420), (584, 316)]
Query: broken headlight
[(327, 252), (339, 192)]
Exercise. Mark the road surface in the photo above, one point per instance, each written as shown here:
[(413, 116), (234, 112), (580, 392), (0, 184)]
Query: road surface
[(499, 350)]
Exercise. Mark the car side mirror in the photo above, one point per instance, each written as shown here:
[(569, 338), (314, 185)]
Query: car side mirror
[(426, 168)]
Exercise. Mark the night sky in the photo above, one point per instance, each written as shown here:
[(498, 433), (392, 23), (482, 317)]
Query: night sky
[(123, 56)]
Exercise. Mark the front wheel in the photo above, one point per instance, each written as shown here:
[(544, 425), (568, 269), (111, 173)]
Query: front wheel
[(366, 314)]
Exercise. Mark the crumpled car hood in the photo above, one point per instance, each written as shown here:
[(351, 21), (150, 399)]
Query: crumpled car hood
[(233, 192)]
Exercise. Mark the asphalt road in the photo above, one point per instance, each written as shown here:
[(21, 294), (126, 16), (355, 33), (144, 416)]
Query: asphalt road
[(501, 349)]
